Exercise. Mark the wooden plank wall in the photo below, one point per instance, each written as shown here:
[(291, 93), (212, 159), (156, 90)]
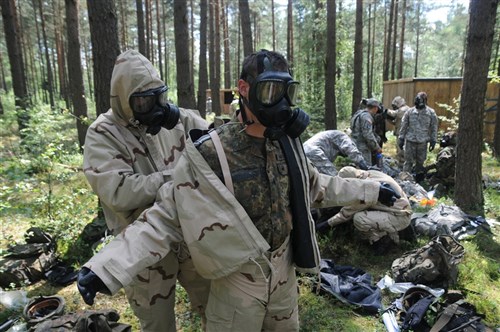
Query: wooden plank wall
[(442, 91)]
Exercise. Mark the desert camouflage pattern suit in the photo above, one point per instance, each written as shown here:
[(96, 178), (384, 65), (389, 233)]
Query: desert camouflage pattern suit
[(419, 127), (241, 242), (323, 148), (374, 221), (125, 167), (363, 134)]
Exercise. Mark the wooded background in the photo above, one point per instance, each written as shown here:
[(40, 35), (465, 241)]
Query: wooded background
[(62, 52)]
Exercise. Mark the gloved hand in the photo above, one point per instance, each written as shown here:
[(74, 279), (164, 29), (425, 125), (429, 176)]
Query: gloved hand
[(401, 143), (322, 227), (432, 144), (387, 195), (89, 284), (362, 165)]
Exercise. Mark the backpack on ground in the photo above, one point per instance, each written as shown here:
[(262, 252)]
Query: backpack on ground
[(434, 264)]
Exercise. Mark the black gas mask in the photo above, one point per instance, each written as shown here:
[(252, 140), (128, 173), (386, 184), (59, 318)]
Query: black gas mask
[(152, 109), (271, 96), (419, 102)]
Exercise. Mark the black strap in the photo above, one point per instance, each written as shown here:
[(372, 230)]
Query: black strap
[(302, 245)]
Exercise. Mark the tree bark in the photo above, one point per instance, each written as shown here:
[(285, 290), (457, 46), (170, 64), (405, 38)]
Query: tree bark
[(387, 52), (141, 38), (417, 48), (394, 38), (246, 27), (11, 30), (185, 88), (331, 66), (105, 48), (402, 40), (289, 34), (227, 54), (358, 58), (203, 74), (158, 32), (468, 184), (76, 88), (49, 83)]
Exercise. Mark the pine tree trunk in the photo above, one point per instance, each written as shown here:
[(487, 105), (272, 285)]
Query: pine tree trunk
[(468, 184), (105, 48), (246, 27), (289, 36), (358, 58), (203, 74), (394, 38), (227, 55), (158, 32), (387, 52), (185, 88), (141, 38), (331, 67), (76, 88), (49, 83), (402, 40)]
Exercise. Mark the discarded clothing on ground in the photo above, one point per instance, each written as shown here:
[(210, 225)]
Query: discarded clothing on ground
[(26, 263), (85, 321), (350, 285), (450, 220)]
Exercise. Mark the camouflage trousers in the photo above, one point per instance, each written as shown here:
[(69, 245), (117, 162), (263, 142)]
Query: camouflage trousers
[(152, 293), (415, 154), (373, 225), (400, 156), (261, 296), (366, 152)]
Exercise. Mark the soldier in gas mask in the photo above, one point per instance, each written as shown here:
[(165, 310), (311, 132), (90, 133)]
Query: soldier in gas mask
[(237, 193), (441, 174), (418, 128), (130, 152)]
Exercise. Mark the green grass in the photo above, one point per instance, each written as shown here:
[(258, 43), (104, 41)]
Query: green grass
[(49, 190)]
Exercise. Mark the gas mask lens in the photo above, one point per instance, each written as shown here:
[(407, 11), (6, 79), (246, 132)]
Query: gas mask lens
[(143, 102), (271, 91)]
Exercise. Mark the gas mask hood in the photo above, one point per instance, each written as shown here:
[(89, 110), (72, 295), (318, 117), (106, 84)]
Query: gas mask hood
[(271, 97)]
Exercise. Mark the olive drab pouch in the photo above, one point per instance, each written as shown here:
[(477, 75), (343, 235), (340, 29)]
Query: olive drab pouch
[(25, 264), (104, 320), (458, 316), (434, 264)]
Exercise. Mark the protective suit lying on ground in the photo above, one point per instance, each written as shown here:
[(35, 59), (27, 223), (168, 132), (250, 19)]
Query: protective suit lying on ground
[(373, 221), (323, 148)]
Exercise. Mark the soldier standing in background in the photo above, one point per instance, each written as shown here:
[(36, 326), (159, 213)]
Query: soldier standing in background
[(419, 127), (443, 178), (362, 130), (323, 148), (399, 109)]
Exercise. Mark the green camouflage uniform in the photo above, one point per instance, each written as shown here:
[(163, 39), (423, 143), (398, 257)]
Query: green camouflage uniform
[(125, 167), (363, 135), (242, 241), (445, 167)]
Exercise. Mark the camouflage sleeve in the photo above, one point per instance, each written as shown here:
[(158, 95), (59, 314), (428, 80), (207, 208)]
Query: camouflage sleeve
[(143, 243), (348, 148), (108, 168), (434, 126), (329, 191), (191, 119), (404, 125), (367, 132)]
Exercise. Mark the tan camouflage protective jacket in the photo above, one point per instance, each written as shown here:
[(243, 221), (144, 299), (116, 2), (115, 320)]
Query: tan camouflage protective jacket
[(125, 166), (198, 208)]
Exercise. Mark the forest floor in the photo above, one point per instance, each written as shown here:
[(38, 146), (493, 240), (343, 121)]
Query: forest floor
[(25, 196)]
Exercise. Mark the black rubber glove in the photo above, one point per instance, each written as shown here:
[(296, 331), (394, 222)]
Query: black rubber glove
[(432, 144), (362, 164), (322, 227), (89, 284), (387, 195), (401, 143)]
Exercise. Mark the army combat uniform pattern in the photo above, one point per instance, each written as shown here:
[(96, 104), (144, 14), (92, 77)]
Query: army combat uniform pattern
[(375, 221), (242, 241), (323, 148), (125, 167), (444, 166), (398, 119), (363, 135), (417, 129)]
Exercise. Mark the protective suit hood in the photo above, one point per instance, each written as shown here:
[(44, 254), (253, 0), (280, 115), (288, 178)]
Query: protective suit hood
[(398, 101), (132, 73)]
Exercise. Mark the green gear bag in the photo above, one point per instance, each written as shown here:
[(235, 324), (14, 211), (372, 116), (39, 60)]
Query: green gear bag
[(434, 264)]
